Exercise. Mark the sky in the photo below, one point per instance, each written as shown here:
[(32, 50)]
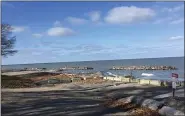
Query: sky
[(83, 31)]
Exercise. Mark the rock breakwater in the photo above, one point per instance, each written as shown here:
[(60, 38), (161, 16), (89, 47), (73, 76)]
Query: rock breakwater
[(144, 68)]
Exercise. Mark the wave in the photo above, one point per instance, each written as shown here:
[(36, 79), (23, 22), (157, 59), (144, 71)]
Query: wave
[(147, 74)]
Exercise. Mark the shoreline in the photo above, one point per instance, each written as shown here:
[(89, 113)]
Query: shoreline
[(17, 73), (37, 79)]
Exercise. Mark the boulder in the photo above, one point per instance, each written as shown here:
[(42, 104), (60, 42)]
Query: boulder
[(168, 111), (128, 99), (152, 104), (138, 100), (179, 113)]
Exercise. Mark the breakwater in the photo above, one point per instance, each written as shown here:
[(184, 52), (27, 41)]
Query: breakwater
[(45, 69), (76, 68), (143, 81), (143, 68)]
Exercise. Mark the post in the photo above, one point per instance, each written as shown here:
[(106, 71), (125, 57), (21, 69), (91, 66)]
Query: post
[(48, 78), (173, 88), (174, 80), (71, 79)]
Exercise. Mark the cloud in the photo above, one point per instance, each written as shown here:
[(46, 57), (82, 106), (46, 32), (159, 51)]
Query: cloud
[(174, 9), (17, 29), (37, 35), (125, 14), (74, 20), (94, 16), (177, 38), (177, 21), (60, 31), (57, 23)]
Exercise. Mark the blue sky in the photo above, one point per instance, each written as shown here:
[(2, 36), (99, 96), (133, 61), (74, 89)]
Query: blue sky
[(82, 31)]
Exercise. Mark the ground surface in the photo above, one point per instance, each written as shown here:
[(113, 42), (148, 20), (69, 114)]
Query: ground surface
[(78, 99), (20, 73)]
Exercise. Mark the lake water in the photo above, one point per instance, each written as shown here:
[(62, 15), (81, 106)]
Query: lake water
[(105, 65)]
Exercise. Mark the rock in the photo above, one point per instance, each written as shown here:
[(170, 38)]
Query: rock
[(138, 100), (128, 99), (152, 104), (179, 113), (168, 111), (144, 68), (131, 99)]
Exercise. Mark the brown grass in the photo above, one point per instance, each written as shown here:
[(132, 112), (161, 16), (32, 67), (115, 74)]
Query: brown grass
[(30, 80), (16, 82), (132, 108)]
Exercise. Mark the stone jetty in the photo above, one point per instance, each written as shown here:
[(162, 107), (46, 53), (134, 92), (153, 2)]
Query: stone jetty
[(77, 68), (144, 68), (45, 69)]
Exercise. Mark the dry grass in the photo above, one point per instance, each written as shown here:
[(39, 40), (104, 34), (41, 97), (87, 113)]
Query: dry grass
[(16, 82), (132, 108), (30, 80)]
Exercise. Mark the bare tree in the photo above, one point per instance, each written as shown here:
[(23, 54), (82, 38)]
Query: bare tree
[(7, 41)]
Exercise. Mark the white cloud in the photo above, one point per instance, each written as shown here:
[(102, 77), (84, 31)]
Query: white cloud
[(94, 16), (177, 38), (37, 35), (74, 20), (174, 9), (60, 31), (18, 29), (178, 21), (57, 23), (125, 14)]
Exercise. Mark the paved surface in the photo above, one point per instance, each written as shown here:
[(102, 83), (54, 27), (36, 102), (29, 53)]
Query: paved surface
[(61, 102), (76, 101)]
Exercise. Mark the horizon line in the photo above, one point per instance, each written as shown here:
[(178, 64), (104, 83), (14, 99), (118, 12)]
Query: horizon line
[(94, 60)]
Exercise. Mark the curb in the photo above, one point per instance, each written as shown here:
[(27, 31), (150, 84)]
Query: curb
[(153, 105)]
